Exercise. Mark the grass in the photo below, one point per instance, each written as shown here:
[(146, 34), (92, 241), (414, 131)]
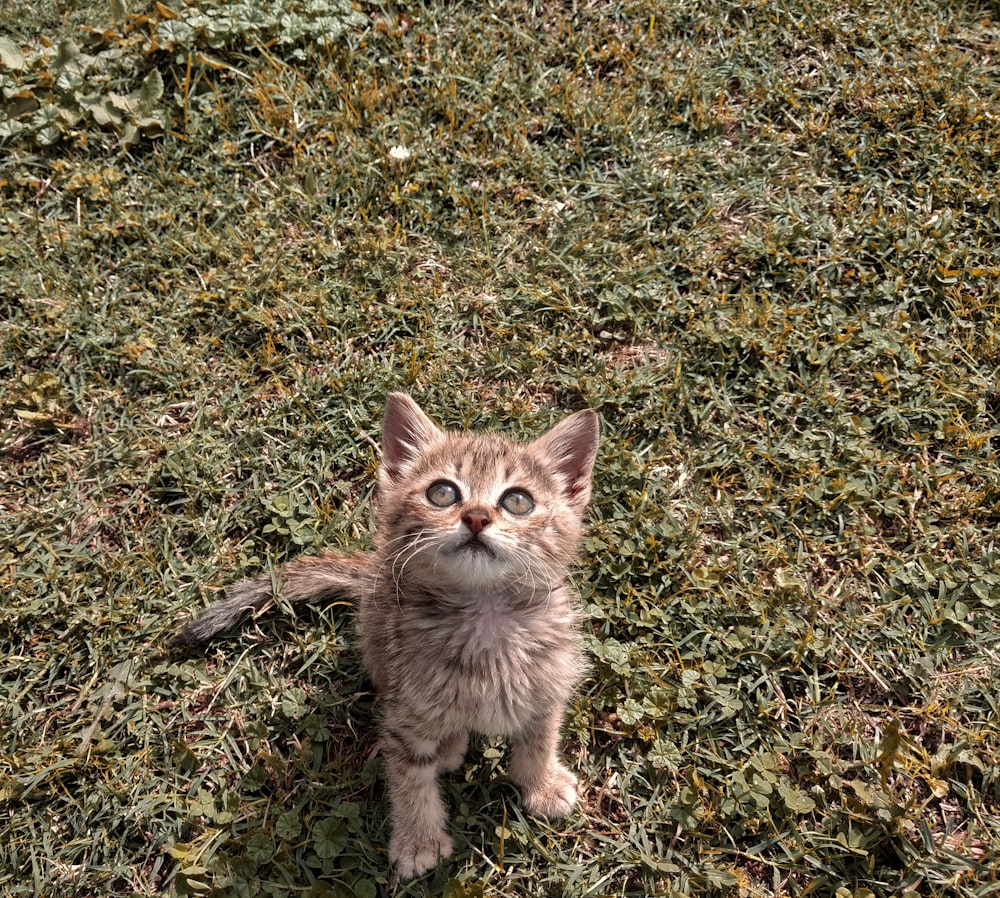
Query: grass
[(761, 239)]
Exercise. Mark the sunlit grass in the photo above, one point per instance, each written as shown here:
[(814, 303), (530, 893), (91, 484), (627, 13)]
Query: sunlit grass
[(761, 241)]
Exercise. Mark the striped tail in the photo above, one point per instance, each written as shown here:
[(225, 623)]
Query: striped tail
[(304, 578)]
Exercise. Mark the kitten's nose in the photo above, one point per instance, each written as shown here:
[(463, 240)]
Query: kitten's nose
[(476, 519)]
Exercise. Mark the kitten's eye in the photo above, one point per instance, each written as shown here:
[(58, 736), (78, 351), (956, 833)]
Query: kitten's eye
[(517, 502), (442, 494)]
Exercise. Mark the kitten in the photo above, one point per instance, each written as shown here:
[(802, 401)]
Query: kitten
[(466, 619)]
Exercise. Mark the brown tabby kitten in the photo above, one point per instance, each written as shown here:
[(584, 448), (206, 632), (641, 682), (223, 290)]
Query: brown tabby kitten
[(465, 616)]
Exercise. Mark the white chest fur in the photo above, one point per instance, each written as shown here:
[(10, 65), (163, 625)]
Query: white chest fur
[(496, 667)]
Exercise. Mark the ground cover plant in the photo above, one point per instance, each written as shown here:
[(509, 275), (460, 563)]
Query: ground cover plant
[(760, 238)]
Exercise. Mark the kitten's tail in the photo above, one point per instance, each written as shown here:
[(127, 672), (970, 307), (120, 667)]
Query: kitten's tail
[(307, 577)]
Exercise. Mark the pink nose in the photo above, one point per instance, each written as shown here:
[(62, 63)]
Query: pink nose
[(476, 520)]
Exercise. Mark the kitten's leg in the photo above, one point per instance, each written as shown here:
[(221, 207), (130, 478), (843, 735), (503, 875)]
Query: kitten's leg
[(547, 787), (419, 834)]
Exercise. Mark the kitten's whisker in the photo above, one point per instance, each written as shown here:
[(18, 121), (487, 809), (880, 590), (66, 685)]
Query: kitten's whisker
[(411, 545), (420, 541), (532, 570), (524, 559)]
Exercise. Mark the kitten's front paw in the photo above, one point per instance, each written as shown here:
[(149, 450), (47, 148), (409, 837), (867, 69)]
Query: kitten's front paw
[(415, 856), (553, 796)]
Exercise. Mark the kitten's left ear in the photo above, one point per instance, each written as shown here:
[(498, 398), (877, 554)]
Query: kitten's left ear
[(570, 448), (406, 433)]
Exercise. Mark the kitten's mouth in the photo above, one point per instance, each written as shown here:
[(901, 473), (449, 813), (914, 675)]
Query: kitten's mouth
[(476, 547)]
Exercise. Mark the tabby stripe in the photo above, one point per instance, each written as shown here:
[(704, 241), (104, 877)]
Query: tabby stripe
[(408, 754)]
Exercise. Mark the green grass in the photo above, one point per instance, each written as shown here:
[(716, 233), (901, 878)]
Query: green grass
[(763, 240)]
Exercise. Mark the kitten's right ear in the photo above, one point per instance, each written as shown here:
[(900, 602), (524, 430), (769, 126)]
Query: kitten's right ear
[(406, 432)]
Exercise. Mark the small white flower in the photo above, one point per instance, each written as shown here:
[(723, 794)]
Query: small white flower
[(400, 153)]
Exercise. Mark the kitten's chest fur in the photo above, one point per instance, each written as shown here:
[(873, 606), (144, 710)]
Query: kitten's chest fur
[(485, 661), (490, 627)]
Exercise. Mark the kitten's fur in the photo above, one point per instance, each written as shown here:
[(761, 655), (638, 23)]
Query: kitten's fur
[(465, 616)]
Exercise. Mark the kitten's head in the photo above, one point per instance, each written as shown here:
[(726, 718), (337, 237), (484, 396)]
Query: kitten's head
[(480, 511)]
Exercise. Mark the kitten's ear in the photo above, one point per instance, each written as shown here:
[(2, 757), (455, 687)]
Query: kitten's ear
[(406, 432), (570, 448)]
